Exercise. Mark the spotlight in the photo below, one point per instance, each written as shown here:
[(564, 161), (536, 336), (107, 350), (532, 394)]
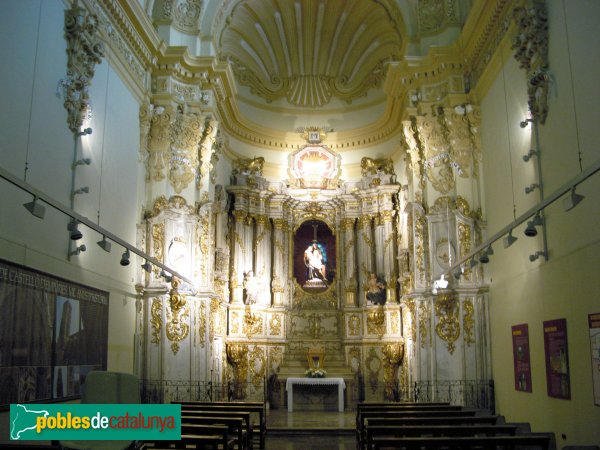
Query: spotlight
[(164, 275), (78, 250), (74, 234), (525, 122), (529, 154), (537, 219), (83, 190), (532, 187), (35, 208), (125, 258), (571, 201), (82, 161), (472, 262), (509, 240), (531, 230), (104, 244), (147, 267), (536, 255), (485, 256), (457, 273), (85, 132)]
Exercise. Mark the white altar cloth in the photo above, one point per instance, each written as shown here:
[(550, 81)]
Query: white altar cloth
[(289, 387)]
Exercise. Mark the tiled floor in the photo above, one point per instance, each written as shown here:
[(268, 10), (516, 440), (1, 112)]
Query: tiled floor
[(308, 430)]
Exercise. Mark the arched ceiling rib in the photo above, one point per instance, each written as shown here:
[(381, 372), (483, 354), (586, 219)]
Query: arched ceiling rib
[(308, 51)]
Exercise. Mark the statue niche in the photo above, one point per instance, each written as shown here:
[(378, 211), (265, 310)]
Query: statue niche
[(314, 256)]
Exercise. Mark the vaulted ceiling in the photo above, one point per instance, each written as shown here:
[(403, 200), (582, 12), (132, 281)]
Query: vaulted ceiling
[(312, 50), (299, 63)]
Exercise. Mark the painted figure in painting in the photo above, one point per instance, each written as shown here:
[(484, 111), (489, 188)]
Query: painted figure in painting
[(315, 262)]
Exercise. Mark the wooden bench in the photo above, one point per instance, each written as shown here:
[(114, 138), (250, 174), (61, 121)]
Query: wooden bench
[(375, 431), (238, 425), (363, 415), (539, 441), (190, 441), (255, 408)]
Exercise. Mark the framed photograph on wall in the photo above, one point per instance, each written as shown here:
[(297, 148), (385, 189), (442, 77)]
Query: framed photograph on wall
[(594, 323), (52, 333), (557, 359), (521, 360)]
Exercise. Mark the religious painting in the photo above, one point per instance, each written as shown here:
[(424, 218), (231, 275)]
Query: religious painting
[(521, 360), (52, 333), (594, 324), (557, 359), (314, 256)]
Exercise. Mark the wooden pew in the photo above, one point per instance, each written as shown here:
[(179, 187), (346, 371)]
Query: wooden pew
[(256, 408), (375, 431), (398, 414), (237, 424), (539, 441)]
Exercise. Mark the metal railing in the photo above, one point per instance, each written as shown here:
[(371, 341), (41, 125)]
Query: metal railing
[(478, 394), (166, 391)]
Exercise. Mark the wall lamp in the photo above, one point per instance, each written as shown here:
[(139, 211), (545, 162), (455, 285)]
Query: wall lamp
[(81, 162), (570, 202), (536, 255), (85, 132), (35, 208), (74, 232), (532, 187), (509, 240), (104, 244), (78, 250), (83, 190), (525, 122), (125, 258), (529, 154), (531, 229)]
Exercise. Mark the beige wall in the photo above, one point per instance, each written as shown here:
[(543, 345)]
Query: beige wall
[(567, 285)]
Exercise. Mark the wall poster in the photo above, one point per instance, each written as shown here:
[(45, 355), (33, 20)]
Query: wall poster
[(557, 359), (522, 363), (52, 333), (594, 322)]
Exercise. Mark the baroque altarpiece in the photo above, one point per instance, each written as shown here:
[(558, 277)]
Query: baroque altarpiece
[(280, 269)]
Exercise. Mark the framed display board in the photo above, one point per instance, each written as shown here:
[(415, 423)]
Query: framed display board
[(522, 363), (557, 359), (52, 333)]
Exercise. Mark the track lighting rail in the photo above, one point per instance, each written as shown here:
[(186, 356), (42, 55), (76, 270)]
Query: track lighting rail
[(75, 217), (531, 212)]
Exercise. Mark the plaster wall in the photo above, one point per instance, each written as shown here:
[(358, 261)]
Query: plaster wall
[(36, 145), (567, 285)]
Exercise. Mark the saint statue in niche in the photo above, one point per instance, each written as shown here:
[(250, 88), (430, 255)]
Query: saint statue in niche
[(376, 293), (314, 256)]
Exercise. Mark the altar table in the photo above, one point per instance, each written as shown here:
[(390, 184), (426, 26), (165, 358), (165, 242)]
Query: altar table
[(289, 387)]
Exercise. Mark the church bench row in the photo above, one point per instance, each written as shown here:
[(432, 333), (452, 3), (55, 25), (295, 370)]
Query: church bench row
[(377, 431), (529, 441), (238, 424), (363, 415), (256, 409)]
